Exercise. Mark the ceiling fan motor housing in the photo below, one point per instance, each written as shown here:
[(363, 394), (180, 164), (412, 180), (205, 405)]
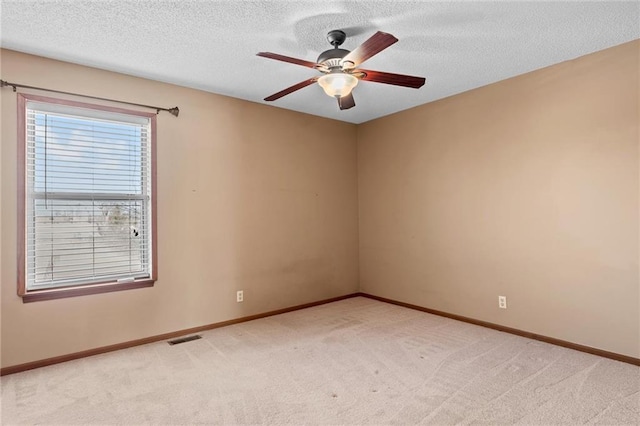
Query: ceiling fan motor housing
[(332, 58)]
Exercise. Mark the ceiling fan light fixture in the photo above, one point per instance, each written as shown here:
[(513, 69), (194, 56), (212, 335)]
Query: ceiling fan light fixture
[(337, 84)]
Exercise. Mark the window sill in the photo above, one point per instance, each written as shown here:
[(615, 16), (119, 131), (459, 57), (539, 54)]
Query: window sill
[(62, 293)]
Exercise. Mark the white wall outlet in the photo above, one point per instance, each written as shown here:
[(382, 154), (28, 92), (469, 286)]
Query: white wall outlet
[(502, 302), (240, 296)]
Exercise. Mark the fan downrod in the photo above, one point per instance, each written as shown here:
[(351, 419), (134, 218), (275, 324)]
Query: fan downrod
[(336, 37)]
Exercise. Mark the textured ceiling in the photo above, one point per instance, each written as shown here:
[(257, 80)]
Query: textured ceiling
[(211, 45)]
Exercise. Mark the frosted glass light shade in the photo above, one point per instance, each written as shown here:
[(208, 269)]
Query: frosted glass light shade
[(337, 84)]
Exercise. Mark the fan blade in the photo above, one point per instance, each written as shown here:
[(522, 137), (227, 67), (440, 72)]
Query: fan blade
[(289, 59), (390, 78), (346, 101), (375, 44), (291, 89)]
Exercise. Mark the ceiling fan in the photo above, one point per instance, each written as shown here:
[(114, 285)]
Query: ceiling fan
[(338, 67)]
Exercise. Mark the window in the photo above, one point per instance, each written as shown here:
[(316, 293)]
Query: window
[(87, 198)]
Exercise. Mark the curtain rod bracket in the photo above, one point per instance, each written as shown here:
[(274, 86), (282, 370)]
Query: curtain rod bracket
[(4, 83), (173, 111)]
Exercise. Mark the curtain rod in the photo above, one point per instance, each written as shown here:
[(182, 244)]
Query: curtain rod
[(173, 111)]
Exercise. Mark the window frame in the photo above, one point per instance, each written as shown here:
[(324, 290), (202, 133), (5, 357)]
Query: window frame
[(89, 288)]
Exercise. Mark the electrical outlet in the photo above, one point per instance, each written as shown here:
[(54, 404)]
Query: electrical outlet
[(240, 296), (502, 302)]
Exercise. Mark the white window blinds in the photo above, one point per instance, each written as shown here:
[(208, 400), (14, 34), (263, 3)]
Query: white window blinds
[(88, 196)]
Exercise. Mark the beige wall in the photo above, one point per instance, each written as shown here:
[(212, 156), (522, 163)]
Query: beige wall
[(250, 197), (526, 188)]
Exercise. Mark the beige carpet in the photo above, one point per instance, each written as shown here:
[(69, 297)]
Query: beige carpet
[(356, 361)]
